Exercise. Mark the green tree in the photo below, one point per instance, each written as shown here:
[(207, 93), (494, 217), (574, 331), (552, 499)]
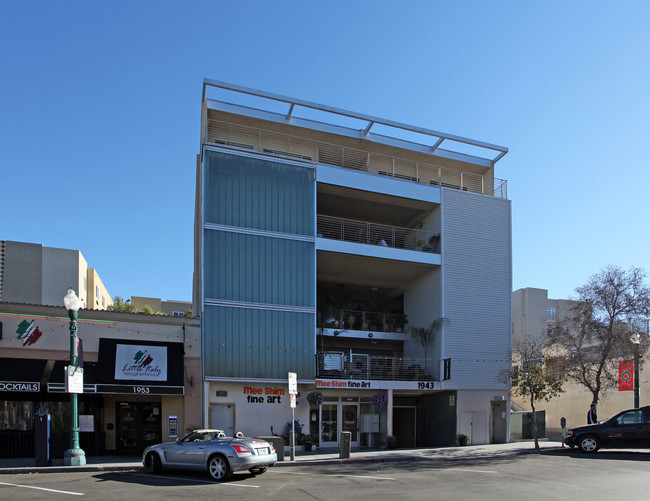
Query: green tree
[(533, 376), (596, 333), (148, 310), (425, 336), (120, 305)]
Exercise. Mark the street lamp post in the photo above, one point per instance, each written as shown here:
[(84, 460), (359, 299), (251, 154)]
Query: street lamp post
[(636, 340), (74, 455)]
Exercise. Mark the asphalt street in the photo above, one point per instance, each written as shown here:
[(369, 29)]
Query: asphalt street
[(558, 474)]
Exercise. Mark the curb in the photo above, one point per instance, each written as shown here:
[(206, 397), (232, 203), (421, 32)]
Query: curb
[(69, 469)]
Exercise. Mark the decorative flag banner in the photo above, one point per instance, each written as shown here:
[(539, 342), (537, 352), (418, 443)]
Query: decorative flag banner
[(28, 332), (626, 375)]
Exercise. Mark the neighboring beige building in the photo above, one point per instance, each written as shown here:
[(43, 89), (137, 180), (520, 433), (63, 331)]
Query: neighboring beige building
[(171, 308), (534, 314), (36, 274), (123, 409)]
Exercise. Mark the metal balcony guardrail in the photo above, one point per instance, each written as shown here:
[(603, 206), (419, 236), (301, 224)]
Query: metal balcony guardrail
[(349, 230), (289, 146), (339, 365), (362, 320)]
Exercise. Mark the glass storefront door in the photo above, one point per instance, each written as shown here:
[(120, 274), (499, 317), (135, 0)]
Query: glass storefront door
[(338, 417), (139, 424), (350, 421), (329, 428)]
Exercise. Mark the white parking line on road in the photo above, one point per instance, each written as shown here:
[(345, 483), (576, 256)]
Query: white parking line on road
[(344, 475), (211, 482), (43, 489)]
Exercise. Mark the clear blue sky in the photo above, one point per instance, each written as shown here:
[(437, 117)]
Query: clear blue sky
[(100, 114)]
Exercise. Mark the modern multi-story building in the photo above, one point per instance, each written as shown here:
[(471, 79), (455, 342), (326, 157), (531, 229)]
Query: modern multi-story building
[(322, 237), (36, 274)]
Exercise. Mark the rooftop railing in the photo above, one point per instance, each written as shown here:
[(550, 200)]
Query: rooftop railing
[(363, 232), (339, 365), (300, 148)]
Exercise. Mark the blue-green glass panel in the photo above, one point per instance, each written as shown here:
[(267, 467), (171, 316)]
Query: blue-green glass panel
[(250, 343), (257, 269), (255, 193)]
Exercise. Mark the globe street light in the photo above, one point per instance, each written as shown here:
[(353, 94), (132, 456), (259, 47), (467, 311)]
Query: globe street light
[(74, 455)]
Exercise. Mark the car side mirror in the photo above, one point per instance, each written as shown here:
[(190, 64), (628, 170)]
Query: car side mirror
[(615, 423), (178, 440)]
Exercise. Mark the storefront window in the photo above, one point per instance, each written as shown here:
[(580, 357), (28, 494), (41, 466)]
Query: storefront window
[(16, 415), (60, 417)]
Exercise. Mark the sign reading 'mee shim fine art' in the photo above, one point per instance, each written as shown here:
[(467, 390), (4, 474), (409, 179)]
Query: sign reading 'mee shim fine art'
[(136, 362)]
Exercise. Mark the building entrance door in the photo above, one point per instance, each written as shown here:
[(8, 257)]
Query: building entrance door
[(139, 424), (350, 422), (329, 425), (222, 417), (404, 426), (338, 417)]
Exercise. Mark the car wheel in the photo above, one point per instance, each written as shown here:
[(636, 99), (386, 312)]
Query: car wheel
[(219, 468), (589, 444), (154, 464), (259, 470)]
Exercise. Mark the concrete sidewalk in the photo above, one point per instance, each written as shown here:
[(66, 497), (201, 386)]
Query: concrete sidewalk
[(121, 463)]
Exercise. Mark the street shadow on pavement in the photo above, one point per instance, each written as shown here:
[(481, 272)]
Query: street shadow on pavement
[(167, 478), (603, 454)]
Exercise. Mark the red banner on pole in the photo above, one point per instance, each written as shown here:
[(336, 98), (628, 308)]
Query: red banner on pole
[(626, 375)]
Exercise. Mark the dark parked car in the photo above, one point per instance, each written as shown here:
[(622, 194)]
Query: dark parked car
[(627, 429), (211, 451)]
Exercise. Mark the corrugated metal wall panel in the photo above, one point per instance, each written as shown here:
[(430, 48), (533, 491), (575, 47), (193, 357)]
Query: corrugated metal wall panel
[(477, 287), (422, 304)]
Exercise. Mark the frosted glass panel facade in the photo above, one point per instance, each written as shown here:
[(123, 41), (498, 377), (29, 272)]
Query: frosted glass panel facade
[(258, 267), (248, 343), (261, 194)]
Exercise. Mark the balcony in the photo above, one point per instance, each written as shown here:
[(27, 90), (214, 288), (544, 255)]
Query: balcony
[(300, 148), (338, 365), (349, 230), (362, 320)]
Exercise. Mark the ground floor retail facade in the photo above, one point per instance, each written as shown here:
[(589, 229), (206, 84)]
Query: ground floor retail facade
[(371, 411), (125, 405)]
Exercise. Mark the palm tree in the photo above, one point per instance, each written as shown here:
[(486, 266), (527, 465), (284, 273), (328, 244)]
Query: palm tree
[(425, 336)]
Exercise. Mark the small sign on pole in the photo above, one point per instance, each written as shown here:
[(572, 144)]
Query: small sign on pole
[(293, 391), (74, 379), (293, 383)]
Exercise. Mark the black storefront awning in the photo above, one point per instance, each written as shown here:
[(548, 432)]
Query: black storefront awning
[(22, 375)]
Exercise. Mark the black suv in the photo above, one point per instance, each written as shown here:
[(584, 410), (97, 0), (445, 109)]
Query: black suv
[(628, 429)]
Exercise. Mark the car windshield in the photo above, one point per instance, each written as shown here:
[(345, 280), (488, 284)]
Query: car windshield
[(199, 437)]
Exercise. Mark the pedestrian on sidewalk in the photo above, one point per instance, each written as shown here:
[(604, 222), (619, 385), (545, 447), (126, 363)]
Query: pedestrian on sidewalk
[(563, 426), (592, 418)]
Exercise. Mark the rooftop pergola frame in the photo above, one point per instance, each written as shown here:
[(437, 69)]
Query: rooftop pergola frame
[(430, 139)]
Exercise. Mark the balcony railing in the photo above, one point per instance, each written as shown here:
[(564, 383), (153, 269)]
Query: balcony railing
[(339, 365), (288, 146), (361, 320), (349, 230)]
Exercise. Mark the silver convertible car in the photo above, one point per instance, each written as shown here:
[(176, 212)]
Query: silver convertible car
[(213, 451)]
